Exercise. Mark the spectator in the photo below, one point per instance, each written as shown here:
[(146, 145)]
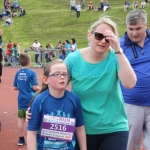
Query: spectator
[(9, 21), (63, 54), (59, 45), (106, 6), (1, 63), (78, 9), (135, 4), (136, 45), (9, 52), (90, 6), (3, 13), (62, 45), (8, 13), (15, 54), (49, 54), (143, 4), (23, 12), (126, 5), (67, 46), (6, 4), (101, 5), (36, 46), (82, 4), (73, 46), (1, 36), (16, 5), (72, 6)]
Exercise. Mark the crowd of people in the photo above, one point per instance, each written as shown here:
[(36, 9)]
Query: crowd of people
[(103, 6), (64, 48), (135, 4), (10, 10)]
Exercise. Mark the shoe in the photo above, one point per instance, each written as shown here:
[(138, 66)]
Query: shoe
[(21, 142)]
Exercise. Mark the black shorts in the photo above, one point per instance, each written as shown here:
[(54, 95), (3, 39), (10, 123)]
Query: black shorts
[(72, 8)]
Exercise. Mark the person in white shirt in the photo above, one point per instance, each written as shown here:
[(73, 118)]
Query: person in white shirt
[(72, 6), (36, 46), (78, 9), (143, 4)]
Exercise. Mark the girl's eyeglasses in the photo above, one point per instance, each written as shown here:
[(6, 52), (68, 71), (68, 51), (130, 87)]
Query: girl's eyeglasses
[(58, 75), (100, 36)]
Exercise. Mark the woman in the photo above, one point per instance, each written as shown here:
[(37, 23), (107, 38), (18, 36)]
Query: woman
[(67, 46), (73, 46), (1, 63), (96, 72)]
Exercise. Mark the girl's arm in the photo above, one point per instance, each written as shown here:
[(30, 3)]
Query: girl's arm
[(31, 140), (81, 137)]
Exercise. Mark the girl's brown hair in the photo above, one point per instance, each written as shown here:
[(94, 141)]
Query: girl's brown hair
[(46, 71)]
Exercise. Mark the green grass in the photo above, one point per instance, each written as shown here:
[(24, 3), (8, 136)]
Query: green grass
[(50, 21)]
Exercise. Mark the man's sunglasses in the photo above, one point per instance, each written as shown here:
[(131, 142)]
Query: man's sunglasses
[(100, 36)]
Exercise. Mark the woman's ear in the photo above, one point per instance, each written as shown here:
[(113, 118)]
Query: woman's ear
[(45, 80), (89, 36)]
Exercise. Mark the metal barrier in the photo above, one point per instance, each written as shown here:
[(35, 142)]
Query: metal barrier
[(43, 51)]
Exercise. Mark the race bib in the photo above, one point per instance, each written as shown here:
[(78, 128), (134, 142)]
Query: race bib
[(60, 128)]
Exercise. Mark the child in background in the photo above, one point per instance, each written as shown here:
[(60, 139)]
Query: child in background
[(26, 82), (78, 9), (63, 54), (54, 106), (15, 54)]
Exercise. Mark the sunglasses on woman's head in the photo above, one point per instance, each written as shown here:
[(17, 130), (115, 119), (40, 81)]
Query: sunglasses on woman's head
[(99, 36)]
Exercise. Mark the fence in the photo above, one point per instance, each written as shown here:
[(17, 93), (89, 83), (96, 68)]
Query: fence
[(42, 52)]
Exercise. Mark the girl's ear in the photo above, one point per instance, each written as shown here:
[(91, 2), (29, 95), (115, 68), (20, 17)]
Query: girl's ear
[(45, 80)]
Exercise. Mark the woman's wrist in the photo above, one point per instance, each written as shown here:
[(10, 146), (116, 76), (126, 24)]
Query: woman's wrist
[(119, 51)]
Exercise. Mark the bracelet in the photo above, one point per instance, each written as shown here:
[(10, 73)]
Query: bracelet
[(120, 51)]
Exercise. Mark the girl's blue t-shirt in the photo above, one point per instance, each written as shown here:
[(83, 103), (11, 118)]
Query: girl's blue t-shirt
[(68, 106)]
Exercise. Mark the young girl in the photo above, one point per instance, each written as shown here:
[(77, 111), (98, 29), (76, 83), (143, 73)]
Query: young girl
[(63, 54), (56, 113), (1, 62)]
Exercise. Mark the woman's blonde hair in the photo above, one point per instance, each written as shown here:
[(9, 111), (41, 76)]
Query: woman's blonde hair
[(104, 20)]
